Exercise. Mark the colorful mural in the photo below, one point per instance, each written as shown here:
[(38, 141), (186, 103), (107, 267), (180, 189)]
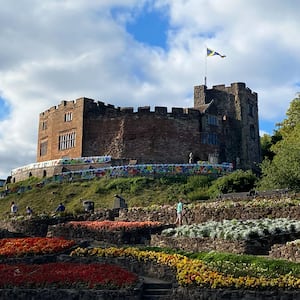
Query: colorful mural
[(148, 170)]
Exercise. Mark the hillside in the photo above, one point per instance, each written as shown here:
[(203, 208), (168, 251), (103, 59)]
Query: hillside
[(138, 191)]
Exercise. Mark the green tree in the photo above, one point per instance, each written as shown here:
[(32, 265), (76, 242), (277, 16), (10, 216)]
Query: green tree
[(293, 118), (237, 181), (284, 170), (267, 142)]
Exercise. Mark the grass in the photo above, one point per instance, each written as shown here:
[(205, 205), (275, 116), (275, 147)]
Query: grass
[(137, 191)]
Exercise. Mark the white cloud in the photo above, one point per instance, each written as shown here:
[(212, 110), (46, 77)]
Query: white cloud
[(53, 50)]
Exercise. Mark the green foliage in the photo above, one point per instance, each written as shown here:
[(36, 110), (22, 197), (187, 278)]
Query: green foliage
[(137, 191), (293, 118), (200, 194), (239, 264), (266, 143), (238, 181), (165, 180), (198, 181), (283, 170), (251, 265)]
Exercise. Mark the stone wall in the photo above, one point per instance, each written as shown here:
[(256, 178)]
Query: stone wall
[(201, 214), (233, 294), (258, 246), (117, 237), (199, 244), (156, 136), (69, 294), (289, 251)]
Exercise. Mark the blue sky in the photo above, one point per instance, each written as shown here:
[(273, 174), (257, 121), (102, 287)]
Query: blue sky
[(4, 109), (149, 27), (137, 53)]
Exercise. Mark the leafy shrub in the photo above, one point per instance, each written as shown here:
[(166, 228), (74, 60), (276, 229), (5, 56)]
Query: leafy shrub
[(238, 181), (198, 181), (198, 195)]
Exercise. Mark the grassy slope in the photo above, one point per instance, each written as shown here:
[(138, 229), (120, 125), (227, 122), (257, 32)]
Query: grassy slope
[(137, 191)]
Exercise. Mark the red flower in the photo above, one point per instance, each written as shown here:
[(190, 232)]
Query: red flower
[(65, 275)]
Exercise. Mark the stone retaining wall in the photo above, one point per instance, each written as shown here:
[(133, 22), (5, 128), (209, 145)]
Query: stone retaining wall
[(290, 251), (167, 214), (69, 294), (198, 244), (259, 246), (117, 237), (232, 294)]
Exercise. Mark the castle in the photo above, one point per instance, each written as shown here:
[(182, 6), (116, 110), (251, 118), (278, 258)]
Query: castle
[(221, 127)]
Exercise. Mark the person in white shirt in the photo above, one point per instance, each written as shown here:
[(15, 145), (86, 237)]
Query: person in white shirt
[(13, 208)]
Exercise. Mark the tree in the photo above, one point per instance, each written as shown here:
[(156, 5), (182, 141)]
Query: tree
[(284, 169), (237, 181), (266, 143), (293, 117)]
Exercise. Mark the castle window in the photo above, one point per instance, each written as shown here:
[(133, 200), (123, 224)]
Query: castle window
[(250, 109), (66, 141), (43, 148), (212, 120), (68, 117), (44, 125), (209, 138), (252, 132)]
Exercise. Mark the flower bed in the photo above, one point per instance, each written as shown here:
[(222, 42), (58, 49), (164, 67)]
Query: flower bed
[(59, 280), (236, 229), (113, 232), (237, 236), (65, 275), (18, 247), (113, 225), (193, 272)]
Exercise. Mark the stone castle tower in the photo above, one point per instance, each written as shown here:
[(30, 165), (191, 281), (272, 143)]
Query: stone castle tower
[(221, 127)]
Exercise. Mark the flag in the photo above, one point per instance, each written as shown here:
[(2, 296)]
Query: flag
[(212, 53)]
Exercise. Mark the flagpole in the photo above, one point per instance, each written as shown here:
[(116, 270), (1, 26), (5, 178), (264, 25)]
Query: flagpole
[(205, 72)]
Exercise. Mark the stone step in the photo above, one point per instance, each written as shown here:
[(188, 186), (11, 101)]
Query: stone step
[(157, 285), (154, 289)]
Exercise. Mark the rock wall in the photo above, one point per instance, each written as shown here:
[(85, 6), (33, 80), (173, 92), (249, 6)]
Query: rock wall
[(68, 294), (289, 251), (201, 214)]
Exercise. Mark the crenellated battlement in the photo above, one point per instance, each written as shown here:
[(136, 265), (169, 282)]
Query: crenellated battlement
[(221, 126), (98, 108), (233, 88)]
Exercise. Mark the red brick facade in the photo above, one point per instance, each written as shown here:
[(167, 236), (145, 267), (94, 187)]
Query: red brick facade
[(222, 126)]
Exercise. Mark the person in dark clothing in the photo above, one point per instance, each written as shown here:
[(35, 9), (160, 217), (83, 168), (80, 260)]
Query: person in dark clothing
[(60, 208)]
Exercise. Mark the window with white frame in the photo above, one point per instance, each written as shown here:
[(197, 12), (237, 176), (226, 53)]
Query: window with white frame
[(68, 116), (67, 140)]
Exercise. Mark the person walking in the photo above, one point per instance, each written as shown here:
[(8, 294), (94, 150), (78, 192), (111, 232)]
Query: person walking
[(179, 211)]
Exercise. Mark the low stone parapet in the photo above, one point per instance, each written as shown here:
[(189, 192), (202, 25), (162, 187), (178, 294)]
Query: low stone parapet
[(198, 244), (232, 294), (70, 294), (289, 251), (259, 246)]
